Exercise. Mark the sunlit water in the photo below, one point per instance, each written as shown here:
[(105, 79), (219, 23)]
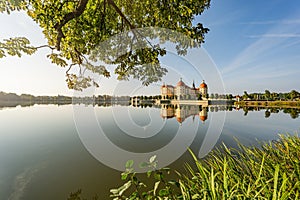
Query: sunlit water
[(43, 155)]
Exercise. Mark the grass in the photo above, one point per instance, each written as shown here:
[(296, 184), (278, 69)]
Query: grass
[(269, 172)]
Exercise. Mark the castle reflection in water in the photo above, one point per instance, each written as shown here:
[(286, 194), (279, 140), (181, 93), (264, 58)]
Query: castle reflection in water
[(182, 112)]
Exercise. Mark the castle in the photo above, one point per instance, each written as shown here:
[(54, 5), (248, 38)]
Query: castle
[(183, 92)]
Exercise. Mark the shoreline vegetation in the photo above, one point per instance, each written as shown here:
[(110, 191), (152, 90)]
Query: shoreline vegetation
[(271, 171), (23, 100), (257, 103), (267, 99)]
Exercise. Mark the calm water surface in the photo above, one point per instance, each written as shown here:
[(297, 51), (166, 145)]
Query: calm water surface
[(44, 156)]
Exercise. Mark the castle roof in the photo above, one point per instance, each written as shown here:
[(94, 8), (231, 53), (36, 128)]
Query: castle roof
[(181, 83), (168, 86), (203, 85)]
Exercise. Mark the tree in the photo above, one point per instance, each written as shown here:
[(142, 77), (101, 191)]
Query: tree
[(293, 94), (274, 96), (246, 95), (216, 96), (199, 97), (267, 94), (75, 29)]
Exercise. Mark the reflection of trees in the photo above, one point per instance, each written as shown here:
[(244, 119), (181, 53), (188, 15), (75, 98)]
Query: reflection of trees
[(294, 113), (274, 110), (245, 109), (267, 114)]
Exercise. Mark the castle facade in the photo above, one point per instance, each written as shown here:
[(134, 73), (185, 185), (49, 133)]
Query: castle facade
[(183, 92)]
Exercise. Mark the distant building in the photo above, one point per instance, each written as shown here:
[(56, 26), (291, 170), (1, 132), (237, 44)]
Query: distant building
[(237, 98), (183, 92)]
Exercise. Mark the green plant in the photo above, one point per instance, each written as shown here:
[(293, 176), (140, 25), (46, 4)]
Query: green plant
[(269, 172), (135, 188)]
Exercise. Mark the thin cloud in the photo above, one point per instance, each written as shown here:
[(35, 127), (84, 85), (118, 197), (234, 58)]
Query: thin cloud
[(276, 74), (292, 21), (286, 35), (262, 45)]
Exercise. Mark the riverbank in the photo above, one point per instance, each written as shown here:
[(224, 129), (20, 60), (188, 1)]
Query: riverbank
[(203, 103), (289, 104)]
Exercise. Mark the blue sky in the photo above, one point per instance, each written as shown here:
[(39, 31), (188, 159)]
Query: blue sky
[(255, 45)]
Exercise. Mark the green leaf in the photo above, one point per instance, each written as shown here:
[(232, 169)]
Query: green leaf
[(163, 192), (124, 176), (149, 173), (129, 164)]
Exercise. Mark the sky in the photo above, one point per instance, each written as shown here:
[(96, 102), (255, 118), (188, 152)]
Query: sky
[(254, 46)]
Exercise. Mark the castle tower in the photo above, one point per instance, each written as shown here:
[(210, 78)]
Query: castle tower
[(203, 89)]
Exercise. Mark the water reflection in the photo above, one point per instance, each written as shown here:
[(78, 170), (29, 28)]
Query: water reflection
[(47, 146), (293, 112), (182, 112), (168, 111)]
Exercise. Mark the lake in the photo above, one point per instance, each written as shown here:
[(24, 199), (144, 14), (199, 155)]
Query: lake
[(49, 151)]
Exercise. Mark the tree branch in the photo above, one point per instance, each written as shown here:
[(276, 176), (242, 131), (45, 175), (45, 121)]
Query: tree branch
[(58, 26), (67, 72), (117, 9), (43, 46)]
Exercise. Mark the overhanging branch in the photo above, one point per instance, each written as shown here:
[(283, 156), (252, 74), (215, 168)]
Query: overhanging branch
[(117, 9), (58, 26), (79, 10)]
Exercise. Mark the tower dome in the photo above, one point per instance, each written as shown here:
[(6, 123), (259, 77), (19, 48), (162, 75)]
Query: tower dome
[(203, 85), (180, 83)]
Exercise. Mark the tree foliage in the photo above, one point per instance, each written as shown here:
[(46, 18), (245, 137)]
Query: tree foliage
[(12, 5), (75, 29), (273, 96), (15, 47)]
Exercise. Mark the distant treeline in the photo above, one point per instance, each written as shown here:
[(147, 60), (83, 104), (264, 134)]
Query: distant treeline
[(13, 100), (272, 96), (12, 97)]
